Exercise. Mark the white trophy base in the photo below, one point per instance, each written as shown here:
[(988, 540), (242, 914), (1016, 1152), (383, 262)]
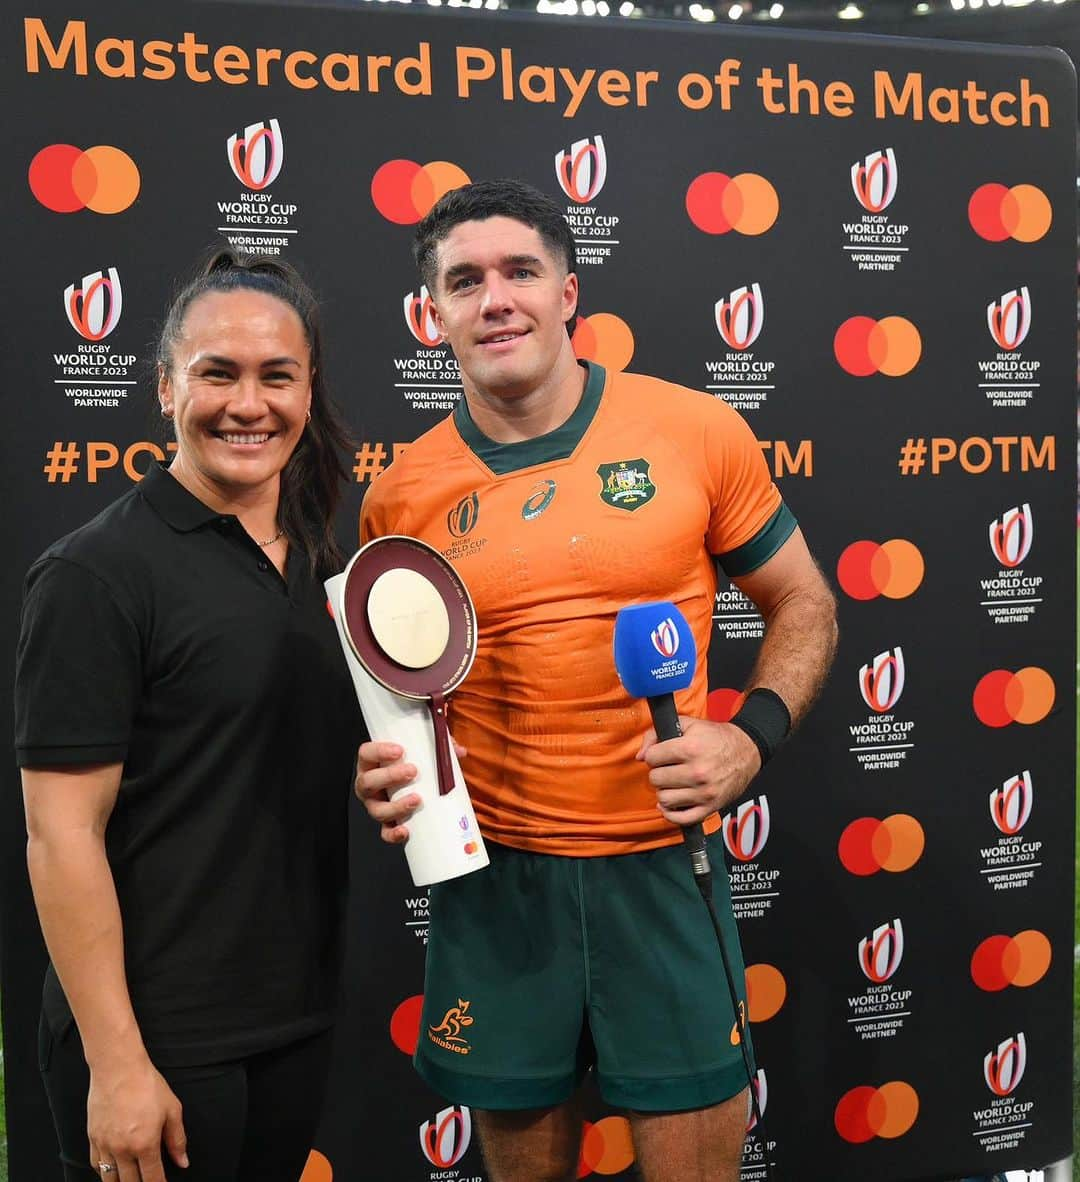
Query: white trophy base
[(444, 839)]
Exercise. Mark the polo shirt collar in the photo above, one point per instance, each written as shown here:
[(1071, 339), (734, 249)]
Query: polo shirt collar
[(177, 507)]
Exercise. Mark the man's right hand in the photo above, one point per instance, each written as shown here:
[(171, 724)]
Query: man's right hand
[(380, 771), (131, 1111)]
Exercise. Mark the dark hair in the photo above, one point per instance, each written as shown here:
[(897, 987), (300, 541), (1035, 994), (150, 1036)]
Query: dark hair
[(488, 199), (311, 480)]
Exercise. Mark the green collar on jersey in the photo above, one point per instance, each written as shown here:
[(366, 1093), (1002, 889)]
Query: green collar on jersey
[(503, 458)]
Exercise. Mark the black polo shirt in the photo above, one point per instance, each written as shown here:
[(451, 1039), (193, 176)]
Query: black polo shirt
[(160, 636)]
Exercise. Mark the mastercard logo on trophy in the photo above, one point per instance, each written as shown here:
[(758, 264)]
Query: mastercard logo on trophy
[(256, 156), (874, 179), (93, 307), (740, 316), (408, 629), (880, 954), (1003, 1068)]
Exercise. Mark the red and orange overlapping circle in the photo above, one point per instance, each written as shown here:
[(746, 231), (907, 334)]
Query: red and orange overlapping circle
[(606, 1147), (605, 339), (404, 191), (717, 203), (1021, 960), (66, 179), (1022, 213), (1001, 697), (868, 569), (865, 1112), (864, 346), (869, 845)]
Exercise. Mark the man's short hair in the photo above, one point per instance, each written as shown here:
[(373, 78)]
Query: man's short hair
[(488, 199)]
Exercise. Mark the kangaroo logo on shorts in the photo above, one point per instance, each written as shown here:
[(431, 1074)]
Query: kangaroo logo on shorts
[(448, 1032), (625, 484)]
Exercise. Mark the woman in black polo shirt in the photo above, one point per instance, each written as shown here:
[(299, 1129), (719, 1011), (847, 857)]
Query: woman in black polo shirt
[(187, 728)]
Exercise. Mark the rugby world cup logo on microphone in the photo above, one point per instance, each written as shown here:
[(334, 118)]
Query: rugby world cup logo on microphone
[(1003, 1068), (874, 179), (1011, 535), (445, 1137), (256, 157), (746, 829), (1009, 318), (881, 953), (582, 170), (882, 681), (1010, 805), (93, 308), (665, 638), (740, 317), (420, 317)]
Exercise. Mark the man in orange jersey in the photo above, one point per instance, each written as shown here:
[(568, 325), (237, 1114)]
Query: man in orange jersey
[(562, 493)]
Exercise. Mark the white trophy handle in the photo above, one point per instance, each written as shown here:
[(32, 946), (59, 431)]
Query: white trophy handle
[(444, 839)]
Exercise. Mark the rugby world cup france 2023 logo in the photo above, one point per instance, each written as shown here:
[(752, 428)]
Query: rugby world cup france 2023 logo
[(582, 170), (874, 180), (93, 308), (1011, 536), (741, 316), (880, 954), (665, 638), (419, 316), (1010, 805), (1003, 1068), (256, 157), (882, 681), (746, 829), (1009, 318), (445, 1137)]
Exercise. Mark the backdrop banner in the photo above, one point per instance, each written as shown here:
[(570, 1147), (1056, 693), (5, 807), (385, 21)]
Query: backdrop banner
[(867, 246)]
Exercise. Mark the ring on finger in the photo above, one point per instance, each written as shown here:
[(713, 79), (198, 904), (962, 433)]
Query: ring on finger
[(106, 1167)]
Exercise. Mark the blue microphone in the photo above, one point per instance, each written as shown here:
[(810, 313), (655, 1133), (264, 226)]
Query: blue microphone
[(655, 655)]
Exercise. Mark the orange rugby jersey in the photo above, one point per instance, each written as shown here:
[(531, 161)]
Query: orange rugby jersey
[(627, 502)]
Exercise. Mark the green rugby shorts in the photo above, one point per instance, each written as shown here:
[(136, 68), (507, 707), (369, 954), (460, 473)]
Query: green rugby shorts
[(540, 967)]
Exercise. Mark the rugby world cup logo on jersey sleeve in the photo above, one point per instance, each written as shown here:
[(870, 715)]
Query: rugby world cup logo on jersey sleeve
[(256, 156), (882, 681), (1009, 318), (93, 308), (444, 1139), (746, 829), (1003, 1067), (740, 316), (1011, 536), (881, 953), (420, 318), (874, 180), (1010, 805), (582, 170)]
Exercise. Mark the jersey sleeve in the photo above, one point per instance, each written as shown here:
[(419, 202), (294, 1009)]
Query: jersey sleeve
[(78, 671), (376, 518), (749, 521)]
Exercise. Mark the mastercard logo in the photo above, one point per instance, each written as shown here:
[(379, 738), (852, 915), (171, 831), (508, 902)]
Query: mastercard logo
[(1001, 697), (1022, 213), (606, 1147), (864, 346), (869, 845), (865, 1112), (717, 203), (404, 192), (722, 704), (605, 339), (1019, 960), (405, 1024), (66, 179), (868, 569), (318, 1169)]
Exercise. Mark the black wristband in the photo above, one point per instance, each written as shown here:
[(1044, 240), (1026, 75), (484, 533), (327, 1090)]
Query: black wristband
[(766, 719)]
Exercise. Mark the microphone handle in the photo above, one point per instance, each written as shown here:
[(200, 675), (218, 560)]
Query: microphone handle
[(665, 719)]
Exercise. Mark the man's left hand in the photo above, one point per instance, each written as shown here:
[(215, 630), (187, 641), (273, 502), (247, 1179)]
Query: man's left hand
[(702, 772)]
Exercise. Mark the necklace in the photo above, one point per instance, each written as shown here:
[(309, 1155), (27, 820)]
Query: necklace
[(270, 541)]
